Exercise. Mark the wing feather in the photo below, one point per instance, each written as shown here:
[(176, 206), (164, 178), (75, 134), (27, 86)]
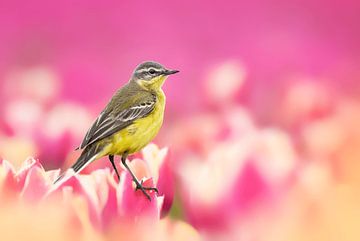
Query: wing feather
[(109, 122)]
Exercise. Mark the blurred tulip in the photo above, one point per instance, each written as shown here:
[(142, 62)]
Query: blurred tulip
[(61, 131), (305, 99), (23, 117), (106, 200), (238, 173), (40, 84), (90, 206), (159, 166), (224, 82)]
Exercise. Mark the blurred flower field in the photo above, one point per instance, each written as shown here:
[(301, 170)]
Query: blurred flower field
[(261, 137)]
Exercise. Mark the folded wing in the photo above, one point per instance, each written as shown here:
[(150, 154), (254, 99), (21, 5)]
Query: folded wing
[(110, 122)]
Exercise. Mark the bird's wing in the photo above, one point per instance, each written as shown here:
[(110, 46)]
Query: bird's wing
[(114, 120)]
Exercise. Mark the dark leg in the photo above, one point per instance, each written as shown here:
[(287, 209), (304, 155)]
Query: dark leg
[(111, 158), (138, 184)]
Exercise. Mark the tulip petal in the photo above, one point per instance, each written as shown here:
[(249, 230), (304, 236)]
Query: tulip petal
[(36, 185), (133, 203)]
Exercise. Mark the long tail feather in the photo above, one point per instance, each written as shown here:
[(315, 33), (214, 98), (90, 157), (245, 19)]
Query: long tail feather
[(87, 156)]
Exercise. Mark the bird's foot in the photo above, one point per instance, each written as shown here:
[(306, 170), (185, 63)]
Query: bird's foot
[(139, 186)]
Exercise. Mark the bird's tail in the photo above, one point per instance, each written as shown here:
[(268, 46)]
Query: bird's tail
[(89, 154)]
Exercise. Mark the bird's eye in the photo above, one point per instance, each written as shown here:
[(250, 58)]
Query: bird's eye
[(152, 71)]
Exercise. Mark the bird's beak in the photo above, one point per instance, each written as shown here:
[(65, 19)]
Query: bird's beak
[(169, 72)]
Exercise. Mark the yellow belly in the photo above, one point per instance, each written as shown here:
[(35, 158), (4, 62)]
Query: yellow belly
[(136, 136)]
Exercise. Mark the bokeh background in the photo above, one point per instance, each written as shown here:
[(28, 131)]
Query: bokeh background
[(261, 124)]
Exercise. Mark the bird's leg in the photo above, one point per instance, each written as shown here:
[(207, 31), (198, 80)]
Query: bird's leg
[(147, 188), (138, 184), (111, 158)]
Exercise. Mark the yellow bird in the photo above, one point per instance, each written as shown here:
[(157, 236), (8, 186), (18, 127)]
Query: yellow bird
[(129, 121)]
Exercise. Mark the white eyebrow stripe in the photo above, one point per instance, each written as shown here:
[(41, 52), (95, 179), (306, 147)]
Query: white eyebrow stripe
[(140, 71)]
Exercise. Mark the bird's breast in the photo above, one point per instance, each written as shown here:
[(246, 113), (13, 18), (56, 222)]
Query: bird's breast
[(137, 135)]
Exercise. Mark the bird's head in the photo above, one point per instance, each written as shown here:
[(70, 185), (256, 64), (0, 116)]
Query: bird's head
[(151, 75)]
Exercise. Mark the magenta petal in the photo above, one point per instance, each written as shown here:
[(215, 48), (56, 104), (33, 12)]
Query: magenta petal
[(158, 162), (104, 185), (251, 188), (214, 217), (56, 149), (25, 168), (10, 184), (165, 186), (36, 184), (110, 209), (133, 204), (247, 191)]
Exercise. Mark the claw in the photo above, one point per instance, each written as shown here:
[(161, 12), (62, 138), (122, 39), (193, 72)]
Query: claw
[(139, 186), (144, 189)]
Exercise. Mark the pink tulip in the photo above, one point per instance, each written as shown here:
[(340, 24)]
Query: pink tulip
[(160, 167), (107, 201), (59, 134), (90, 206), (241, 171)]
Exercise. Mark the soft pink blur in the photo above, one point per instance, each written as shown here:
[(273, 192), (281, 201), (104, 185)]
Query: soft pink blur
[(90, 204), (261, 130)]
